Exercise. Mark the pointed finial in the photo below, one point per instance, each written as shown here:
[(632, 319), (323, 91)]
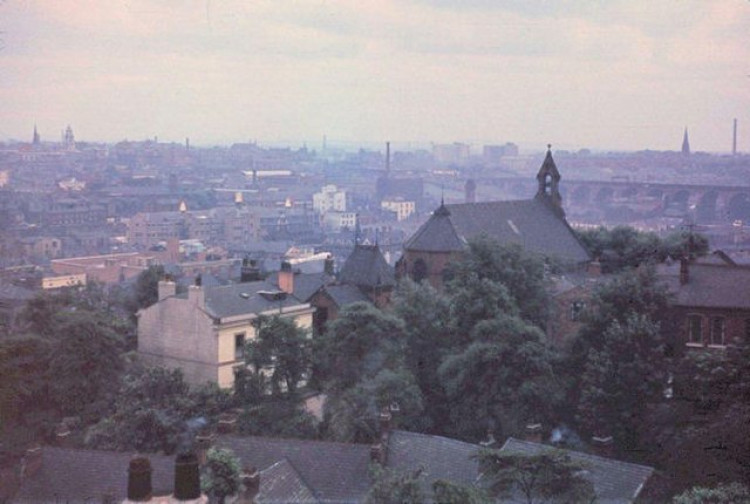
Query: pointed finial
[(549, 146)]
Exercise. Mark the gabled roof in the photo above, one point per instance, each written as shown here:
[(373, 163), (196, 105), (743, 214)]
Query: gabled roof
[(333, 472), (614, 481), (533, 224), (78, 476), (243, 298), (282, 483), (439, 457), (366, 267), (437, 234), (708, 285)]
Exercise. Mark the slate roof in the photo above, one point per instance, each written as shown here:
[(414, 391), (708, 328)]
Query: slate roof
[(366, 267), (708, 286), (334, 472), (242, 298), (532, 223), (10, 292), (77, 476), (440, 457), (305, 284), (345, 294), (614, 481), (282, 483)]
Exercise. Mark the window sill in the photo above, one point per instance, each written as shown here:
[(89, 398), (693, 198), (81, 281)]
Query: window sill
[(695, 345)]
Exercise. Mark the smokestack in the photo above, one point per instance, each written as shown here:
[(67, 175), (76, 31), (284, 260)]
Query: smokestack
[(139, 479), (387, 158), (734, 139), (187, 481), (328, 266)]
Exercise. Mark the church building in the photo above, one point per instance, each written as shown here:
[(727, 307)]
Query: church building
[(537, 224)]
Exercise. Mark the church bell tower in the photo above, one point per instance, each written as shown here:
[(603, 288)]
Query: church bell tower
[(548, 180)]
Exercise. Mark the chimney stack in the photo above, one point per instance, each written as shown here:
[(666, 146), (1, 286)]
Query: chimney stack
[(328, 266), (734, 139), (187, 481), (603, 446), (684, 271), (286, 277), (250, 271), (250, 478), (166, 289), (533, 432), (139, 479), (32, 462)]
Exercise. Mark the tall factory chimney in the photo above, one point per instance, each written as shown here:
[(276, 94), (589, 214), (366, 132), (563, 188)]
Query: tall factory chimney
[(387, 158), (734, 138)]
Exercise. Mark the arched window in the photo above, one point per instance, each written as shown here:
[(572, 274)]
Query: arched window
[(419, 271)]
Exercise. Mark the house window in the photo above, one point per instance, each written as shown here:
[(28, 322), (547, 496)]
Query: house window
[(695, 329), (717, 331), (747, 330), (239, 346), (420, 270), (576, 309)]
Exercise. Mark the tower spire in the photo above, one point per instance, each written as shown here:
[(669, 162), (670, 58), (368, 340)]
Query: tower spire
[(685, 143), (548, 180)]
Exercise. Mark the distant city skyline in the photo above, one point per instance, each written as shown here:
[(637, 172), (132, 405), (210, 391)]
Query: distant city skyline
[(603, 75)]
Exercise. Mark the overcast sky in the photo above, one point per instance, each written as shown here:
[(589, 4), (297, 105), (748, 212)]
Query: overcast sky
[(606, 74)]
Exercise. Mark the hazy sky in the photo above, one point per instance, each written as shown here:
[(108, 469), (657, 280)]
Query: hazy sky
[(606, 74)]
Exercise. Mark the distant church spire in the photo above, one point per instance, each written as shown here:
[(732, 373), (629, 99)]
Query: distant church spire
[(548, 180), (685, 143), (36, 139)]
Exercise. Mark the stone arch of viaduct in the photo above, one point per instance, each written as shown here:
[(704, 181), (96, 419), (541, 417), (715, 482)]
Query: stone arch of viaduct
[(710, 203)]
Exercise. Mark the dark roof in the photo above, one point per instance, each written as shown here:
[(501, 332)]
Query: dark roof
[(439, 457), (242, 298), (73, 476), (708, 285), (437, 234), (10, 292), (533, 224), (334, 472), (305, 284), (282, 483), (614, 481), (345, 294), (366, 267)]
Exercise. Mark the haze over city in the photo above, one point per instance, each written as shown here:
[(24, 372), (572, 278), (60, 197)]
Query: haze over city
[(621, 75)]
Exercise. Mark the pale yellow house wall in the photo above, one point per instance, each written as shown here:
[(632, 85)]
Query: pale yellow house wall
[(176, 333)]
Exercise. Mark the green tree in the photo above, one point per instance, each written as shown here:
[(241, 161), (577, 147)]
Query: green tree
[(621, 379), (390, 486), (278, 418), (446, 492), (521, 273), (84, 365), (221, 474), (546, 477), (732, 493), (358, 344), (281, 351), (352, 414), (24, 361), (503, 379), (151, 408), (147, 286)]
